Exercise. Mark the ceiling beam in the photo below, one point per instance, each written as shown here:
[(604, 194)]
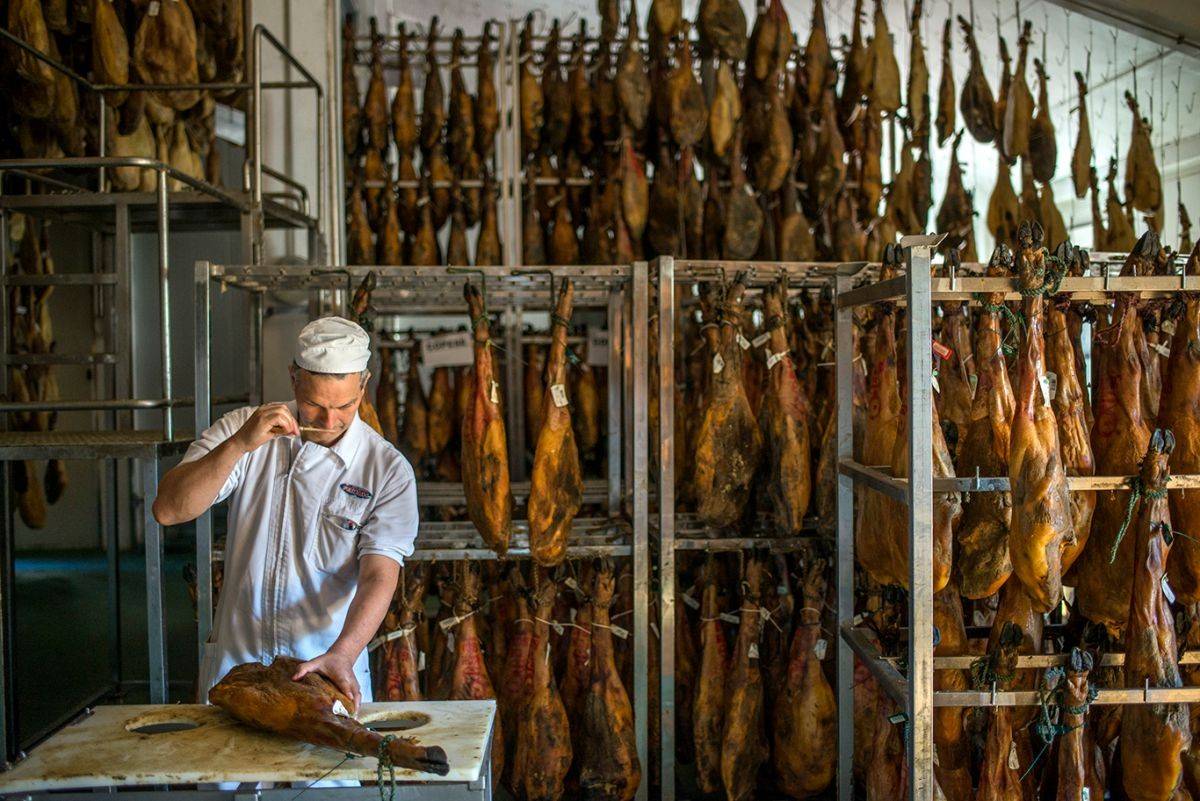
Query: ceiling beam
[(1173, 25)]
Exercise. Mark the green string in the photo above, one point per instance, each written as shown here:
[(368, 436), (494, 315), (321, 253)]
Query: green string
[(1015, 319), (1048, 726), (385, 763), (1136, 490)]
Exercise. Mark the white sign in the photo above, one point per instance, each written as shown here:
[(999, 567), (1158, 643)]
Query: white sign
[(597, 347), (559, 393), (456, 349)]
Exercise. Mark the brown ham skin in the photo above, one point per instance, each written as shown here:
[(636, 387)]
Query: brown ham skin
[(385, 400), (414, 433), (266, 697), (1076, 748), (484, 441), (887, 774), (784, 420), (1074, 433), (982, 560), (1153, 736), (805, 711), (708, 710), (610, 770), (544, 741), (1041, 515), (998, 781), (1179, 411), (1189, 633), (1119, 439), (402, 679), (556, 483), (956, 373), (743, 738), (728, 443), (517, 679), (470, 680), (951, 740)]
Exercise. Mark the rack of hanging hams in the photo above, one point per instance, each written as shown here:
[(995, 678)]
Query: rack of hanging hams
[(1099, 700), (122, 43)]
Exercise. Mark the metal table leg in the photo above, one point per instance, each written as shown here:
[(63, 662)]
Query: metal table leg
[(156, 632)]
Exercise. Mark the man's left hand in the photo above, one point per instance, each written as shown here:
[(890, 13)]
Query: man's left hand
[(339, 669)]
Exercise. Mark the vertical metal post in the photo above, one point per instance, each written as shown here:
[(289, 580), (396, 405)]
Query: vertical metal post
[(256, 348), (844, 356), (920, 525), (666, 517), (515, 392), (102, 179), (615, 394), (515, 170), (254, 120), (203, 419), (641, 519), (627, 335), (123, 294), (333, 141), (156, 630), (164, 300)]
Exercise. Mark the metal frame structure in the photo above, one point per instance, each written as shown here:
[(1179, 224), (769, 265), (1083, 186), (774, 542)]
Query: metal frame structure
[(622, 291), (914, 693), (118, 215)]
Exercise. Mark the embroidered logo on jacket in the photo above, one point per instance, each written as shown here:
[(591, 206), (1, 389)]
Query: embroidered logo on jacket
[(356, 492)]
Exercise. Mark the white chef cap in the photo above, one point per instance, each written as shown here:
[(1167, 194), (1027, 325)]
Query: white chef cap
[(333, 345)]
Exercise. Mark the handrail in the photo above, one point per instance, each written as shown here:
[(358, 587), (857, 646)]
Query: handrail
[(290, 182), (261, 30), (112, 404)]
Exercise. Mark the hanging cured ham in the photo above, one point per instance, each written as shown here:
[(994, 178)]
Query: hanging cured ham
[(1178, 412), (544, 740), (784, 419), (727, 441), (484, 441), (470, 680), (1153, 736), (266, 697), (951, 740), (743, 740), (1041, 514), (1076, 774), (399, 656), (556, 485), (805, 711), (1120, 436), (982, 562), (708, 709), (610, 769)]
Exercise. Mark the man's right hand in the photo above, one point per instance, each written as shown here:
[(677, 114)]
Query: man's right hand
[(268, 422)]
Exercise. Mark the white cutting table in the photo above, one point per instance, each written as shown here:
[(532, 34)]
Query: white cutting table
[(196, 745)]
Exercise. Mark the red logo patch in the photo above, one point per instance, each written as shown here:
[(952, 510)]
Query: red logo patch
[(356, 492)]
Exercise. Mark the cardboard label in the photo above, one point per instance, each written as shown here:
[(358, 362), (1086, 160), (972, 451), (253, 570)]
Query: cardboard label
[(495, 393), (1168, 328), (775, 358), (571, 583), (718, 363), (558, 627), (933, 378), (820, 648), (559, 393), (420, 660), (455, 349), (754, 650), (1014, 763), (897, 718), (619, 632), (153, 10), (1085, 794), (1052, 384), (859, 618), (1161, 349), (1044, 382), (761, 340), (728, 618), (973, 380), (690, 601), (941, 351), (597, 347), (654, 629), (743, 343), (338, 707)]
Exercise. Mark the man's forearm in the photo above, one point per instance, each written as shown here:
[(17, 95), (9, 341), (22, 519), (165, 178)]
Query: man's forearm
[(187, 490), (376, 587)]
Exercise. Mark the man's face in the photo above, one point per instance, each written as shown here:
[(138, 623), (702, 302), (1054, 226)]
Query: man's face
[(324, 401)]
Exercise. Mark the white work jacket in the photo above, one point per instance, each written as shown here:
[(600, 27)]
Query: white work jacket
[(301, 515)]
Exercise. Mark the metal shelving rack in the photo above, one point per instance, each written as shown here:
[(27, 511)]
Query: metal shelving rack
[(116, 216), (914, 693), (620, 290), (682, 531)]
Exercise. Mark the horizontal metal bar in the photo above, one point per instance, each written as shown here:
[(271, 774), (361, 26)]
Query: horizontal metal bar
[(110, 404), (1074, 483), (1106, 697), (261, 30), (1094, 286), (770, 544), (890, 679), (1049, 660), (58, 358), (876, 479), (573, 552), (921, 240), (60, 279), (230, 272), (891, 289), (450, 493)]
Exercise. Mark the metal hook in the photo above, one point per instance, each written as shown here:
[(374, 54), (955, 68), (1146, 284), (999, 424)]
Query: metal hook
[(473, 271), (349, 282)]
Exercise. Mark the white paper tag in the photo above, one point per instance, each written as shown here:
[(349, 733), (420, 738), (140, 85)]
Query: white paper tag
[(153, 10), (1044, 382), (859, 618), (456, 349), (935, 758), (1085, 794), (571, 584), (936, 387), (654, 629), (449, 623), (728, 618), (572, 613), (775, 358), (718, 363), (338, 707), (754, 650), (973, 380), (559, 393), (618, 631), (1013, 762), (764, 613), (495, 394), (558, 627), (1052, 384), (420, 660), (761, 340), (743, 343), (820, 648), (1168, 328), (1161, 349), (597, 347), (980, 618), (690, 601)]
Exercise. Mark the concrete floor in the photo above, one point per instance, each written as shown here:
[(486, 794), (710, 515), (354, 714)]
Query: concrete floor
[(63, 649)]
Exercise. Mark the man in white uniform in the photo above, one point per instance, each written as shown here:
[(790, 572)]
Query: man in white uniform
[(323, 511)]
